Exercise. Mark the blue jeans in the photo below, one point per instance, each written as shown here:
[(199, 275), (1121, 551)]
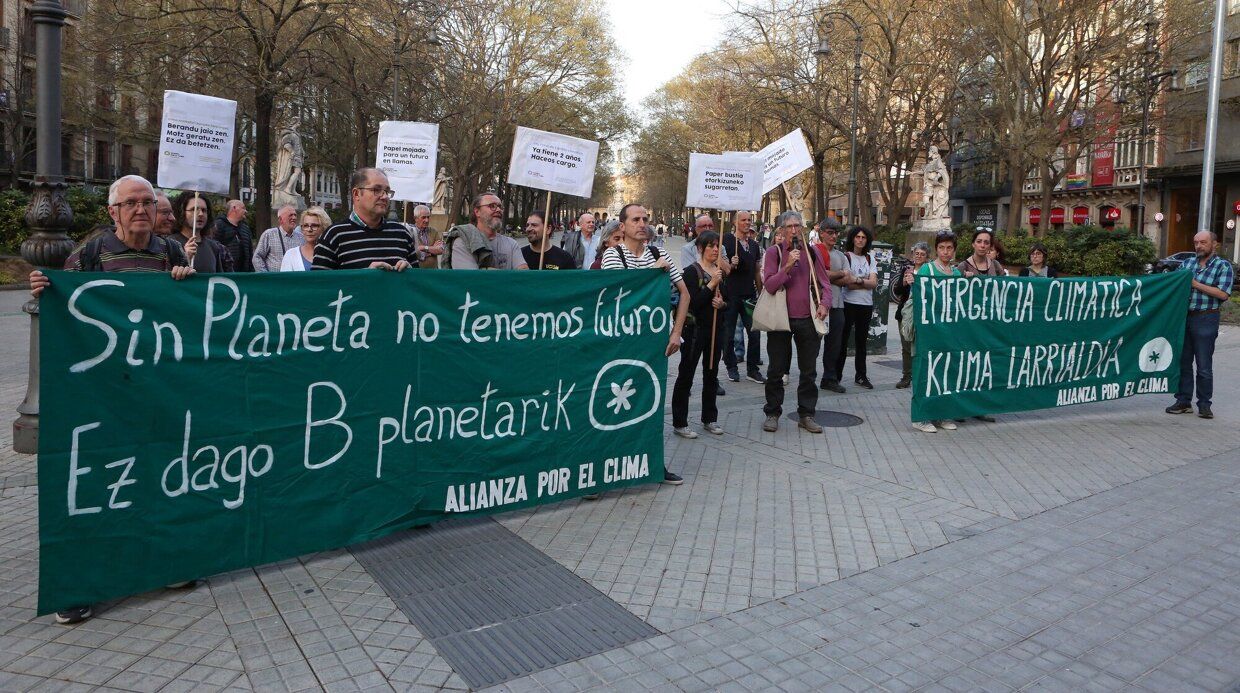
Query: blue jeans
[(1200, 332)]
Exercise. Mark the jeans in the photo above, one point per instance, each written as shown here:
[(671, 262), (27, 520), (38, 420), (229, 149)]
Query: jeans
[(856, 323), (1200, 332), (833, 345), (779, 356), (696, 344), (736, 309)]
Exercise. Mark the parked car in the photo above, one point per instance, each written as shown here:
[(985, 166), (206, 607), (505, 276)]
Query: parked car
[(1173, 262)]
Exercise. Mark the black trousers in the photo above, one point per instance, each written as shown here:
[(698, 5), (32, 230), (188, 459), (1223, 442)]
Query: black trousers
[(833, 345), (779, 356), (694, 349), (856, 324), (735, 311)]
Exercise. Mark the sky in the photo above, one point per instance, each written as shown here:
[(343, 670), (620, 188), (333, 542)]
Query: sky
[(660, 37)]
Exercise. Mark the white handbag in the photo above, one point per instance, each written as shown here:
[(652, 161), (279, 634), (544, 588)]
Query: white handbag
[(770, 314)]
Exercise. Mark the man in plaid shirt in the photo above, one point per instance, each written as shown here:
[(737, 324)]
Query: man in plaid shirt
[(1212, 281)]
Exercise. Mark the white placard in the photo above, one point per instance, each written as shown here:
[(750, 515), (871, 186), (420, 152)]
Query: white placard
[(726, 182), (407, 152), (550, 161), (783, 159), (196, 142)]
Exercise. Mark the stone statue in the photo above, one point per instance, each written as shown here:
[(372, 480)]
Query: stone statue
[(290, 160), (935, 193), (439, 204)]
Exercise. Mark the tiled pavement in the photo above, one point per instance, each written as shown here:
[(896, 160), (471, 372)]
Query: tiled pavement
[(1068, 549)]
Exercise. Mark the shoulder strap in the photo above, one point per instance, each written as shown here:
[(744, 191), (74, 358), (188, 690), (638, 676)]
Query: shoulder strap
[(89, 259), (654, 251), (620, 253)]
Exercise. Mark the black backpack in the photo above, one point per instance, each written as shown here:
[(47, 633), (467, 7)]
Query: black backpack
[(655, 252)]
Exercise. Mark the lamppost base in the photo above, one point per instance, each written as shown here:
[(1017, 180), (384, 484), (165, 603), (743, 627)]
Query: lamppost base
[(26, 426)]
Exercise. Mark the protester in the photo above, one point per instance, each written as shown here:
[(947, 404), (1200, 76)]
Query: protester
[(901, 288), (301, 257), (941, 266), (634, 252), (192, 214), (583, 243), (783, 268), (840, 275), (1211, 285), (367, 239), (275, 242), (612, 236), (980, 264), (429, 242), (552, 258), (998, 256), (165, 217), (704, 338), (133, 247), (858, 302), (481, 245), (1038, 267), (743, 254), (232, 231)]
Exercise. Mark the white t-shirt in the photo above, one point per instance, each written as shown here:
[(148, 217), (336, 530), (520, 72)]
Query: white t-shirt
[(862, 266)]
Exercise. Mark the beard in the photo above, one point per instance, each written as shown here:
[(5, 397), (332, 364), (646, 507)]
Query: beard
[(495, 224)]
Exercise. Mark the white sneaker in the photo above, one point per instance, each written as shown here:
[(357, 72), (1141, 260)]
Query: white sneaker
[(685, 433), (925, 427), (713, 428), (948, 425)]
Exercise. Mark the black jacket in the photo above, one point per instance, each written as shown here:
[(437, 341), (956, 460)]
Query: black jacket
[(239, 242)]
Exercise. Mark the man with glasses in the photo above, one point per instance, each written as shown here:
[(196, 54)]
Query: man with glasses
[(429, 242), (367, 239), (133, 247), (481, 245), (165, 218), (275, 242)]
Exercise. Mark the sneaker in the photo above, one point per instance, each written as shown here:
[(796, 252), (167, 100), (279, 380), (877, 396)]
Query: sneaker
[(808, 423), (713, 428), (833, 386), (734, 375), (188, 584), (73, 615), (684, 432), (761, 362), (592, 496), (1204, 412), (1178, 408), (756, 377), (719, 389), (771, 424), (865, 382), (985, 417), (672, 479), (905, 382), (785, 379), (925, 427), (948, 425)]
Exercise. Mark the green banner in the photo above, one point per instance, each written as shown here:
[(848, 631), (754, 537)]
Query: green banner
[(200, 426), (988, 345)]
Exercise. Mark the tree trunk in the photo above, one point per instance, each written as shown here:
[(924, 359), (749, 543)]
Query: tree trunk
[(264, 106), (1015, 168), (820, 186), (1048, 185)]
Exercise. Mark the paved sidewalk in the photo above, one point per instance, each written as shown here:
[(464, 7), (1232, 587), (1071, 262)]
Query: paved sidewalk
[(1092, 547)]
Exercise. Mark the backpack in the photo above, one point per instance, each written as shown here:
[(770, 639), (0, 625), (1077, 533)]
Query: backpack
[(655, 252)]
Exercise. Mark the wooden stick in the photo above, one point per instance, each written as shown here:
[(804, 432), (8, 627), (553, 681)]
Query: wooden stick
[(813, 278), (546, 222), (193, 225), (714, 321)]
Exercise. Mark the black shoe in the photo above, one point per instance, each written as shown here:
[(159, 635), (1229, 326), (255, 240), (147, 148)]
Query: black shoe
[(592, 496), (756, 377), (833, 386), (187, 585), (73, 615), (1204, 412), (761, 362), (985, 417), (719, 389), (672, 479), (734, 375), (904, 383), (865, 382), (1178, 408)]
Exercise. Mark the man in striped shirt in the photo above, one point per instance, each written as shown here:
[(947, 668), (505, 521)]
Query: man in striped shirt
[(367, 240)]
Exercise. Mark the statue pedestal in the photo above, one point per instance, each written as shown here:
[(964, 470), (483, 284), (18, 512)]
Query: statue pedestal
[(440, 221), (280, 198), (925, 230)]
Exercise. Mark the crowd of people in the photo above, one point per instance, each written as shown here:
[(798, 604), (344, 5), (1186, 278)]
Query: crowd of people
[(826, 292)]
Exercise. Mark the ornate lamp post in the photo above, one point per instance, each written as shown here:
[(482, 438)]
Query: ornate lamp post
[(49, 214), (822, 51)]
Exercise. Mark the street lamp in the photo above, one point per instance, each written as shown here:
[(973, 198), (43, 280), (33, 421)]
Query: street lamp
[(822, 51), (49, 215)]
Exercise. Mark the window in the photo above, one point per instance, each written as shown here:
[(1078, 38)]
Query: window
[(1196, 73), (245, 173), (1128, 149), (1231, 58), (1194, 137), (127, 165)]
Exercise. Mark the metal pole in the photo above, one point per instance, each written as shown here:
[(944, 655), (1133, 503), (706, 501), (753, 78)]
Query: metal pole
[(1146, 96), (1205, 214), (852, 146), (49, 215)]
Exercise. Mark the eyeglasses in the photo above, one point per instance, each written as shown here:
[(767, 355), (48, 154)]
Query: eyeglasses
[(379, 191), (493, 205), (130, 205), (311, 226)]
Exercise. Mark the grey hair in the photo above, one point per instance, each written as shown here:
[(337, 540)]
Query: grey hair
[(920, 245), (284, 207), (116, 184), (420, 210), (783, 218), (610, 227)]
